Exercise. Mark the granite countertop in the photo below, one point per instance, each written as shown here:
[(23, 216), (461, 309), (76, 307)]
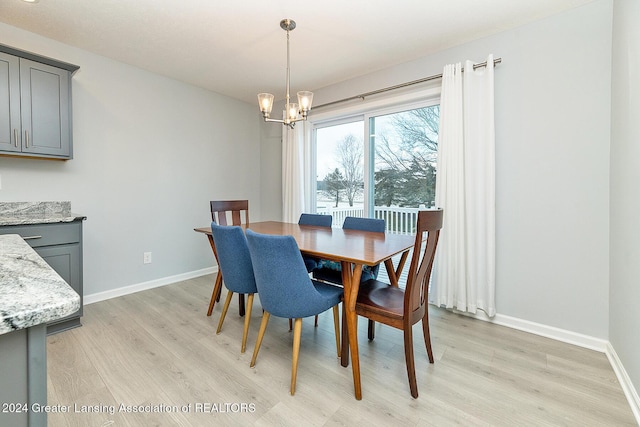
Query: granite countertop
[(19, 213), (31, 292)]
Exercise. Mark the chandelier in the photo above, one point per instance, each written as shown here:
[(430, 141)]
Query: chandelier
[(294, 112)]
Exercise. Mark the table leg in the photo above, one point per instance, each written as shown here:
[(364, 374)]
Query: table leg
[(351, 281), (241, 304), (217, 288), (215, 295), (344, 349)]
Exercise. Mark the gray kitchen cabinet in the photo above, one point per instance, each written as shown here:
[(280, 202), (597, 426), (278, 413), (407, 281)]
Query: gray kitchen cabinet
[(10, 126), (60, 245), (35, 105)]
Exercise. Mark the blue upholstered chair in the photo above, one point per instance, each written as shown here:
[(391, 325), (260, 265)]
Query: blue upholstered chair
[(315, 219), (319, 221), (286, 290), (235, 263), (220, 210), (331, 271)]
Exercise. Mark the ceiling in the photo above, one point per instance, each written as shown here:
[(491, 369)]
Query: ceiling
[(238, 49)]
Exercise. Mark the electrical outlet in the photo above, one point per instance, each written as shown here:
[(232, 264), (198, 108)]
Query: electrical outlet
[(146, 258)]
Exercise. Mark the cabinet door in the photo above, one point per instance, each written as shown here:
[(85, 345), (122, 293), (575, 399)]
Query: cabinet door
[(65, 260), (10, 132), (45, 109)]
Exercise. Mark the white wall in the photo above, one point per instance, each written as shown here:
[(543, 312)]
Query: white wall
[(271, 172), (149, 154), (625, 181), (552, 155)]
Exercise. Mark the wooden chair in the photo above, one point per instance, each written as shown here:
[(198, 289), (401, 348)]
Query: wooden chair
[(220, 210), (402, 308), (287, 291)]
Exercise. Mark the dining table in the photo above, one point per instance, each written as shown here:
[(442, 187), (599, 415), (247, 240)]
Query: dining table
[(353, 249)]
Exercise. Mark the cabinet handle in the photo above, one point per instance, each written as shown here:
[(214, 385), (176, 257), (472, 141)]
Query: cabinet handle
[(32, 237), (26, 139), (15, 137)]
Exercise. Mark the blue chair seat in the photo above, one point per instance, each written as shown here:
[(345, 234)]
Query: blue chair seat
[(331, 271)]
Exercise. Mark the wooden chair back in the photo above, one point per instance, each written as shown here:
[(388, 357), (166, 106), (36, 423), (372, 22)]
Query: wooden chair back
[(221, 209), (429, 223)]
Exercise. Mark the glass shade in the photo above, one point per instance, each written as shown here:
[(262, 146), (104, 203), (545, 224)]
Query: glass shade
[(305, 98), (292, 111), (265, 102)]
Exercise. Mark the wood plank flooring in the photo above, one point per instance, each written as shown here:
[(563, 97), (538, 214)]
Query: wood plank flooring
[(153, 359)]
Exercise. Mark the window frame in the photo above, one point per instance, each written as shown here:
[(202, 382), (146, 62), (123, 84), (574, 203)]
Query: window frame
[(364, 111)]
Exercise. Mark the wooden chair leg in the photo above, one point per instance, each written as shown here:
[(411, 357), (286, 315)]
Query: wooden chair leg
[(427, 335), (336, 326), (290, 325), (224, 311), (371, 330), (315, 323), (263, 327), (411, 368), (215, 295), (247, 320), (297, 332)]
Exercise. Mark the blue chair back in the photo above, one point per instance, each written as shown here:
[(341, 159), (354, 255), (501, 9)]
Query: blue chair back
[(318, 220), (283, 283), (234, 258), (364, 224), (315, 219)]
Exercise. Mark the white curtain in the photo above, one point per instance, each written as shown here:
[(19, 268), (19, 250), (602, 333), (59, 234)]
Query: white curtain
[(464, 270), (295, 156)]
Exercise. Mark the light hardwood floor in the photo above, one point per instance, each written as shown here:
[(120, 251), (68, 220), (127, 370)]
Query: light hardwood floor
[(159, 348)]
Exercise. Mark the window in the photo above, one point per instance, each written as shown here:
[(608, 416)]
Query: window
[(340, 168), (380, 164)]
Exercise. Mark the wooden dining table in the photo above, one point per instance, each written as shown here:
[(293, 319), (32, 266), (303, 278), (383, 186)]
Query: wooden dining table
[(352, 249)]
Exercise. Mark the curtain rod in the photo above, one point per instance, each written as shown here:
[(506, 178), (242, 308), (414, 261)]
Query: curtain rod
[(401, 85)]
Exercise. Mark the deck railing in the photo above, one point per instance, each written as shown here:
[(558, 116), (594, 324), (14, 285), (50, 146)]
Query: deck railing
[(397, 219)]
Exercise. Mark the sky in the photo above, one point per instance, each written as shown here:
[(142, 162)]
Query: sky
[(327, 140)]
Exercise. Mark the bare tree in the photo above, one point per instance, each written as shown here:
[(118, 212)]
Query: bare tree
[(406, 170), (350, 156)]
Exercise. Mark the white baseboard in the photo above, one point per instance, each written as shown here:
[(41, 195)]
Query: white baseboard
[(624, 380), (557, 334), (101, 296)]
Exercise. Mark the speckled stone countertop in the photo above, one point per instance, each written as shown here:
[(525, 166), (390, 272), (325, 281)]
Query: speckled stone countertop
[(17, 213), (31, 292)]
